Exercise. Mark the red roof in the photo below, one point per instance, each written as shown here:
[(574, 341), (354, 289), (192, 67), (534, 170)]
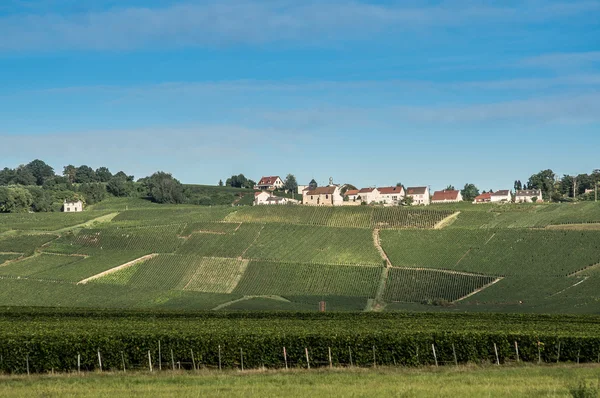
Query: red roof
[(322, 191), (268, 180), (483, 197), (416, 190), (388, 190), (445, 195), (351, 192), (365, 190)]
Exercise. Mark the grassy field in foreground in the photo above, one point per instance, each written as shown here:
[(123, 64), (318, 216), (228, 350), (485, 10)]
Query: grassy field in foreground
[(520, 381)]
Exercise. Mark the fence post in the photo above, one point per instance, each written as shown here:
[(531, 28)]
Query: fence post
[(418, 362), (517, 350), (330, 363), (578, 352), (159, 357), (558, 356), (307, 359), (219, 356), (172, 360), (193, 360), (496, 351), (539, 353), (27, 361), (434, 354), (454, 353), (99, 360), (78, 363), (350, 351), (123, 361), (242, 358), (149, 361), (285, 358)]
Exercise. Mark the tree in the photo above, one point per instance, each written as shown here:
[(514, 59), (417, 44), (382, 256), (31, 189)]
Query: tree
[(346, 188), (469, 192), (42, 200), (7, 176), (544, 180), (518, 186), (103, 174), (449, 188), (220, 183), (15, 200), (93, 192), (40, 170), (84, 174), (407, 200), (120, 187), (163, 188), (290, 184), (121, 174), (312, 184), (69, 173), (24, 176)]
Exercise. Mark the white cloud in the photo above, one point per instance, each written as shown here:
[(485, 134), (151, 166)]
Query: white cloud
[(214, 23), (563, 60)]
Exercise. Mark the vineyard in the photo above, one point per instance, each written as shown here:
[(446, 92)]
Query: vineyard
[(136, 254), (41, 341)]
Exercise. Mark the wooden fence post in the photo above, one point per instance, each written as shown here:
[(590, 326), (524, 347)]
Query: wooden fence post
[(78, 363), (172, 359), (454, 353), (374, 358), (242, 358), (330, 363), (159, 357), (149, 361), (193, 360), (219, 356), (99, 360), (434, 354), (123, 361), (350, 352), (307, 359), (578, 352), (496, 351), (517, 350), (539, 353), (27, 361), (285, 358), (558, 356)]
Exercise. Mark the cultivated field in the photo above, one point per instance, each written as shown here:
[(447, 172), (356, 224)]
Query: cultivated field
[(129, 253)]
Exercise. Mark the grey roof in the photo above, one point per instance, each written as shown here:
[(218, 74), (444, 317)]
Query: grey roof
[(529, 192), (503, 192)]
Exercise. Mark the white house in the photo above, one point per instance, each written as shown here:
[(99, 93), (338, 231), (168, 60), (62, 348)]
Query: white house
[(390, 195), (323, 196), (266, 198), (367, 195), (449, 196), (352, 195), (527, 195), (419, 195), (269, 183), (70, 206), (301, 188), (501, 196)]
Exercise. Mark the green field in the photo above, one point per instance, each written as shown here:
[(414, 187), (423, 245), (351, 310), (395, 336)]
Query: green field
[(457, 257), (462, 381)]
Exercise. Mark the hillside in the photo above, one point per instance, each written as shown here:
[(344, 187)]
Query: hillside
[(129, 253)]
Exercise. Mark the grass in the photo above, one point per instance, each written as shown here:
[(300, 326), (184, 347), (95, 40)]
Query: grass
[(45, 221), (42, 266), (462, 381), (24, 244)]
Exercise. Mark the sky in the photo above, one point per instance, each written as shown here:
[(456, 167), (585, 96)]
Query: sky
[(366, 92)]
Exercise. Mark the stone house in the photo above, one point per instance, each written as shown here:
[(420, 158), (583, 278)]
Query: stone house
[(419, 195), (323, 196), (70, 206)]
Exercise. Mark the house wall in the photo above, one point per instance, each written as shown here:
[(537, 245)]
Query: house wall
[(459, 198), (421, 200), (261, 199), (496, 199), (335, 199), (72, 207)]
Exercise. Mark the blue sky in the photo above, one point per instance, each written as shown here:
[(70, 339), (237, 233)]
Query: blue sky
[(371, 93)]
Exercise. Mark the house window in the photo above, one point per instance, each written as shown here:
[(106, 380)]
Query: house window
[(326, 196), (311, 198), (68, 209)]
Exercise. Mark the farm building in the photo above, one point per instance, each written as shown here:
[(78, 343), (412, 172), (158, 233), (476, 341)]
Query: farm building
[(367, 195), (352, 195), (266, 198), (446, 196), (323, 196), (72, 206), (390, 195), (483, 198), (528, 196), (419, 195), (501, 196), (269, 183)]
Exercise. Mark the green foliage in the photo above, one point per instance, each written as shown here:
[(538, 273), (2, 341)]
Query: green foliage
[(584, 390), (46, 221), (120, 187), (205, 195), (430, 285), (163, 239), (15, 200), (233, 244), (44, 264), (103, 174), (543, 180), (469, 192), (163, 188), (40, 171), (290, 184), (24, 244), (93, 193), (240, 181), (270, 278), (148, 215)]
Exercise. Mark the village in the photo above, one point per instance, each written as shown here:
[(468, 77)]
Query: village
[(343, 195)]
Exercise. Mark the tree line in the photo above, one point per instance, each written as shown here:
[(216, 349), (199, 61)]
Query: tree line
[(36, 187)]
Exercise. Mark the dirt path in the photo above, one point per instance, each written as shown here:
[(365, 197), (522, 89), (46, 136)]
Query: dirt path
[(101, 219), (378, 304), (474, 292), (446, 221), (118, 268), (241, 257), (377, 243), (585, 278), (227, 304)]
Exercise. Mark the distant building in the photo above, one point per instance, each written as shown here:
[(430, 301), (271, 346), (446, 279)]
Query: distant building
[(367, 195), (351, 194), (323, 196), (448, 196), (483, 198), (419, 195), (501, 196), (269, 183), (301, 188), (266, 198), (72, 206), (528, 196), (390, 195)]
